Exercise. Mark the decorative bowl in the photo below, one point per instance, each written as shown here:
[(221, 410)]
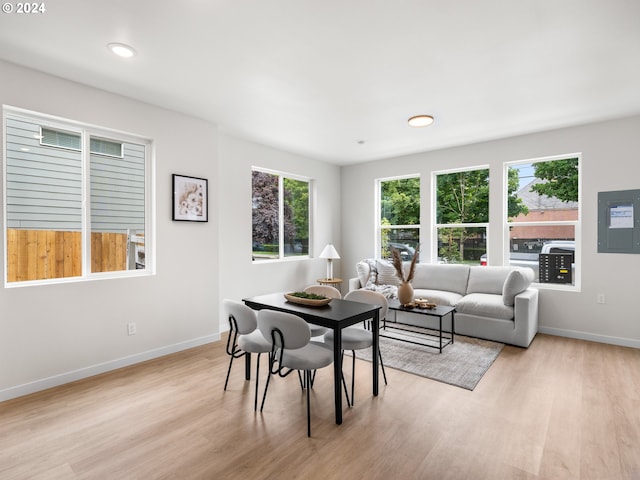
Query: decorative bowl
[(307, 301)]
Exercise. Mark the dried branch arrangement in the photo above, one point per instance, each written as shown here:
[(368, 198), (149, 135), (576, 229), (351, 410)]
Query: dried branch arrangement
[(396, 260)]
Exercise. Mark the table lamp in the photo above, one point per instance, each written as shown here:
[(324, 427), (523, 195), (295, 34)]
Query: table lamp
[(329, 253)]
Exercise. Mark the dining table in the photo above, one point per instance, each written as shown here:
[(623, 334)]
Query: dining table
[(336, 315)]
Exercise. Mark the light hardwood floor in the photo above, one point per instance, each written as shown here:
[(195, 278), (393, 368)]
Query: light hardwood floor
[(562, 409)]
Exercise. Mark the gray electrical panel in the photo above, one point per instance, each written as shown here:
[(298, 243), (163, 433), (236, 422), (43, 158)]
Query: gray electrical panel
[(619, 222)]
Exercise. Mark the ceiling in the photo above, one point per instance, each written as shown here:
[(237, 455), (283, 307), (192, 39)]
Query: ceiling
[(337, 80)]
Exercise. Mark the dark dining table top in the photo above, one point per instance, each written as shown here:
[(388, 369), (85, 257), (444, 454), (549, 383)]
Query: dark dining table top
[(336, 314)]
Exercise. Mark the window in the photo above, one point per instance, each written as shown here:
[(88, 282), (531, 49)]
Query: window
[(280, 215), (51, 165), (544, 215), (462, 215), (399, 217)]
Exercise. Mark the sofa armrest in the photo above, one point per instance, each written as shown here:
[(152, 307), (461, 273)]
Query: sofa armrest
[(526, 316), (354, 284)]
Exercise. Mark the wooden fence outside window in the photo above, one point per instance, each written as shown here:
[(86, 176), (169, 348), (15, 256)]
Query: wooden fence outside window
[(46, 254)]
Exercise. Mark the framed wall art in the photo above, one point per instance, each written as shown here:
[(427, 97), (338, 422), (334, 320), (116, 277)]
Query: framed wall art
[(190, 199)]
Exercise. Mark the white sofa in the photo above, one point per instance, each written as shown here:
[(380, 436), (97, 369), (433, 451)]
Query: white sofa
[(494, 303)]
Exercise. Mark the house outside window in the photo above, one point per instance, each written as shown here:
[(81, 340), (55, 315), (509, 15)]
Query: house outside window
[(461, 215), (399, 216), (548, 222), (280, 215), (51, 165)]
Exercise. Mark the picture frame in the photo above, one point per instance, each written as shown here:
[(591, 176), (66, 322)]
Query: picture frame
[(190, 199)]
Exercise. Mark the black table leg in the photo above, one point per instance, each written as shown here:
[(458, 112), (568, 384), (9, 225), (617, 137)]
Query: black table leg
[(375, 325), (453, 325), (337, 373), (247, 366)]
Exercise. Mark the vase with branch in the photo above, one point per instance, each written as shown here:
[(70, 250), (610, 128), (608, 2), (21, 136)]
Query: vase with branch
[(405, 289)]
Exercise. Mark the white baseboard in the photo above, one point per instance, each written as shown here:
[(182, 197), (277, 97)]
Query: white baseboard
[(61, 379), (623, 342)]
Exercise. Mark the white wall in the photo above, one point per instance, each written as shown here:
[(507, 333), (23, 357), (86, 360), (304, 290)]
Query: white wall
[(609, 162), (239, 276), (51, 334)]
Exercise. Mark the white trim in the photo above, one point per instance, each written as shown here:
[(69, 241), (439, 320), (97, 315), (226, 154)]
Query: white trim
[(377, 211), (398, 177), (559, 332), (86, 133), (310, 208), (433, 237), (63, 378), (291, 176), (576, 224)]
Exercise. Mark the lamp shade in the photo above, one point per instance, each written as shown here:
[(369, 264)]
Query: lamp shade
[(329, 252)]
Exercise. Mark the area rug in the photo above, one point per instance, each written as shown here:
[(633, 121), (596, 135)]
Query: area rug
[(462, 363)]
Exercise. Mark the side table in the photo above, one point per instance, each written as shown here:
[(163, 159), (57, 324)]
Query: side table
[(332, 282)]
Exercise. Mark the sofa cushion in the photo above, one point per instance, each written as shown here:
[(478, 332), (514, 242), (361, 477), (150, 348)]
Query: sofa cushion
[(485, 305), (517, 281), (438, 297), (450, 278), (386, 273), (487, 279)]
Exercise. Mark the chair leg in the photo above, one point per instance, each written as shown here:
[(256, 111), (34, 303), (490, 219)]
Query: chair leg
[(353, 378), (307, 374), (264, 395), (344, 383), (228, 371), (384, 374), (346, 392), (255, 401)]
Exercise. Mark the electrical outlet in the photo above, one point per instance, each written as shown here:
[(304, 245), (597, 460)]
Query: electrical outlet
[(600, 298), (131, 328)]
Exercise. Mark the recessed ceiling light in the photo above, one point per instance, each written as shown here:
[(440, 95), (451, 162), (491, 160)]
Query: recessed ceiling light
[(122, 50), (421, 121)]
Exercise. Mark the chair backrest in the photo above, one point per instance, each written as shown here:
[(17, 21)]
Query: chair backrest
[(326, 290), (370, 297), (295, 330), (244, 316)]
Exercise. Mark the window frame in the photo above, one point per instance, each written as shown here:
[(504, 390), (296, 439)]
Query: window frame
[(281, 241), (434, 209), (576, 224), (86, 131), (378, 211)]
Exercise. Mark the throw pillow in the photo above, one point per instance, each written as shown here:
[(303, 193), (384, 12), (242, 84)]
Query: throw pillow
[(386, 273), (517, 281), (373, 273), (363, 270)]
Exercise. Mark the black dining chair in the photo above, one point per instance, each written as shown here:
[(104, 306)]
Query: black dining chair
[(292, 350), (244, 338)]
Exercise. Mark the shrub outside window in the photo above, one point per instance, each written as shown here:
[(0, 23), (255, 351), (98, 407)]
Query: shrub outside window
[(280, 215), (462, 215), (399, 217), (51, 233)]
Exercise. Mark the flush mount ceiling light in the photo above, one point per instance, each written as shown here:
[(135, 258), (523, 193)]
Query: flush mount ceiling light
[(121, 50), (421, 121)]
